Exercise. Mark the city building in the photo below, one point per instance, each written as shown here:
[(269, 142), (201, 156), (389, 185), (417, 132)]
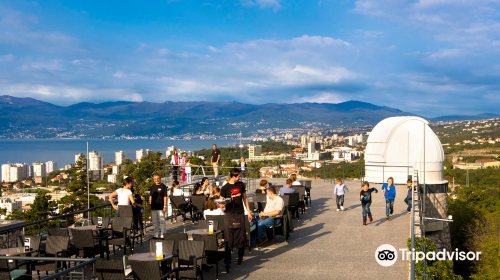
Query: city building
[(96, 165), (170, 151), (39, 169), (141, 153), (486, 162), (6, 172), (120, 157), (9, 204), (50, 166), (255, 153), (112, 178), (115, 170), (80, 155)]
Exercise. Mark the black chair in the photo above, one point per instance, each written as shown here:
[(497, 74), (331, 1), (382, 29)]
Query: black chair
[(167, 248), (203, 224), (56, 246), (176, 237), (88, 246), (8, 273), (111, 270), (291, 201), (301, 190), (122, 233), (35, 242), (279, 228), (216, 218), (150, 270), (128, 211), (259, 197), (191, 257), (58, 232), (214, 251), (198, 206), (180, 207)]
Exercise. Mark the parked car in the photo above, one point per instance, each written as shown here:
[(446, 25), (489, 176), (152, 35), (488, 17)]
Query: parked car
[(79, 223)]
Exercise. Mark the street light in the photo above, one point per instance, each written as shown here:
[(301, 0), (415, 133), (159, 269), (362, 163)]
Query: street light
[(450, 219)]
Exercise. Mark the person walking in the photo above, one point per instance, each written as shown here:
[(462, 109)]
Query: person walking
[(243, 168), (339, 192), (408, 195), (174, 163), (124, 194), (183, 164), (158, 203), (188, 171), (389, 194), (214, 159), (365, 196), (234, 220)]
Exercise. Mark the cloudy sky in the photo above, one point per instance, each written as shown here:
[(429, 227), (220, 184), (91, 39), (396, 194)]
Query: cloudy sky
[(429, 57)]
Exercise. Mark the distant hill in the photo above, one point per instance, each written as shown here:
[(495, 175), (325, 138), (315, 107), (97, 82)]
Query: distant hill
[(483, 116), (28, 117)]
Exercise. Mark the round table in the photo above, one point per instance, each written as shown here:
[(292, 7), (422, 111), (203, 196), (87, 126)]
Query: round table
[(16, 251), (201, 231), (147, 257), (91, 227)]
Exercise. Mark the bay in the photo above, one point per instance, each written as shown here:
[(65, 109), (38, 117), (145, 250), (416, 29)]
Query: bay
[(63, 151)]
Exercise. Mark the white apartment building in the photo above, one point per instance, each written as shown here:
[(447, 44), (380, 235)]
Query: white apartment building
[(50, 166), (141, 153), (9, 204), (39, 169), (80, 155), (16, 173), (96, 164), (6, 172), (120, 157), (116, 170), (112, 178)]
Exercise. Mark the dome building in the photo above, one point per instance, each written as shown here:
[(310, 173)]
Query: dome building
[(396, 145)]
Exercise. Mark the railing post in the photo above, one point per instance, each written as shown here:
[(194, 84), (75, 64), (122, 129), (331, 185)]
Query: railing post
[(324, 172)]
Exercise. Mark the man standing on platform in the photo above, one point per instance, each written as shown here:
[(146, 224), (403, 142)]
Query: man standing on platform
[(215, 160), (234, 221), (158, 203)]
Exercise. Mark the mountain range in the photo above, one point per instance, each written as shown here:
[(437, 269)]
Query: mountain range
[(31, 118)]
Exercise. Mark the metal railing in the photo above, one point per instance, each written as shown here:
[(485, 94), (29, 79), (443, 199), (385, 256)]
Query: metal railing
[(84, 262)]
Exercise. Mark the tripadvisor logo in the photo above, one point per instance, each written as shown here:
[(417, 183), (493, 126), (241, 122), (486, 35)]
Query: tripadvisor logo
[(387, 255)]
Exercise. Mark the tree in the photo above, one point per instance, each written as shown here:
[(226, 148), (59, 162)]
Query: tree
[(485, 239), (143, 171), (76, 199), (42, 208)]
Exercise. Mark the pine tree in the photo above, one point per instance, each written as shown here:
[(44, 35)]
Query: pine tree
[(76, 199)]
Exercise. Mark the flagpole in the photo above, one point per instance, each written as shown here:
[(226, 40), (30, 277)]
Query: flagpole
[(88, 180)]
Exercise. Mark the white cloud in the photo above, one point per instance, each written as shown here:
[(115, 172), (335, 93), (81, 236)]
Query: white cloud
[(323, 97), (50, 65), (263, 4), (6, 57)]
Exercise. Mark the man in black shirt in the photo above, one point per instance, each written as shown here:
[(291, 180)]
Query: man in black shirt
[(365, 196), (234, 220), (158, 201), (215, 159)]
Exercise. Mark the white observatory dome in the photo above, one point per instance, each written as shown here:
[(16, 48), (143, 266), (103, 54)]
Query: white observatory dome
[(398, 142)]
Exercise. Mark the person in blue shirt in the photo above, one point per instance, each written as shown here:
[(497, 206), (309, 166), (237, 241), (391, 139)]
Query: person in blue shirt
[(339, 193), (287, 188), (389, 194), (365, 196)]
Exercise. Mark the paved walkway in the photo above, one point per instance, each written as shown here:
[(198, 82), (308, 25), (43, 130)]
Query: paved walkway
[(326, 244)]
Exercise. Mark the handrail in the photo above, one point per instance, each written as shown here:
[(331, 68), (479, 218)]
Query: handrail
[(54, 218), (64, 272)]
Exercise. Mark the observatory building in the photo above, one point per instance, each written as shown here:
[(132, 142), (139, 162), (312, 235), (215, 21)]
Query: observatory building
[(406, 147)]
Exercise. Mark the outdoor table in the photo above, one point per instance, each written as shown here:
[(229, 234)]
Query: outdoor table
[(16, 251), (91, 227), (201, 231), (147, 257)]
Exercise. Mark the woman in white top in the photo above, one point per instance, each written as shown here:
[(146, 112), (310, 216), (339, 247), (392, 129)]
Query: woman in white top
[(206, 188), (243, 167), (293, 177), (125, 196), (212, 209), (174, 191), (174, 162)]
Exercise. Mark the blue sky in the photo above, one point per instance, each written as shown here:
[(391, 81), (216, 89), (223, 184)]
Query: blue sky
[(429, 57)]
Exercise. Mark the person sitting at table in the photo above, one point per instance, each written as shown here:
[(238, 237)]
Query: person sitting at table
[(206, 188), (124, 194), (197, 190), (212, 209), (274, 207), (287, 188), (263, 186), (216, 193), (293, 177)]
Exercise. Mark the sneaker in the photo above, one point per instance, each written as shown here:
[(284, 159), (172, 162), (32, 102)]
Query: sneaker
[(387, 218), (364, 223), (338, 210), (161, 236), (409, 212), (371, 219), (342, 207)]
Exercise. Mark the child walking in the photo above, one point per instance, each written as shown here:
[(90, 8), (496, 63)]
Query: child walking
[(408, 195), (188, 170), (365, 196), (390, 195), (339, 192)]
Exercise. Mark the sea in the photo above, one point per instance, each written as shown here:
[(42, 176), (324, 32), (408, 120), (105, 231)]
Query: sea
[(63, 151)]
